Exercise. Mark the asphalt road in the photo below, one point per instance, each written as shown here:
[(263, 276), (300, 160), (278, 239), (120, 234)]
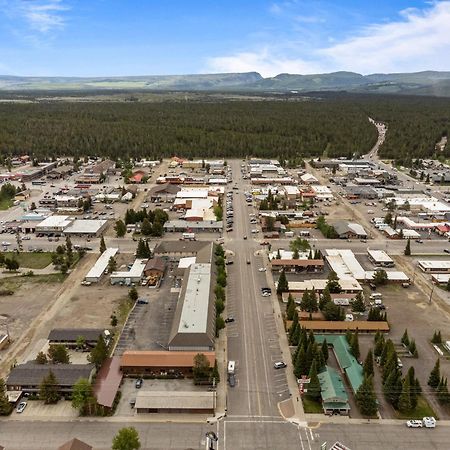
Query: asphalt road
[(252, 338)]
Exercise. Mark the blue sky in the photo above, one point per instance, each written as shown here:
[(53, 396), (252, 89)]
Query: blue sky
[(145, 37)]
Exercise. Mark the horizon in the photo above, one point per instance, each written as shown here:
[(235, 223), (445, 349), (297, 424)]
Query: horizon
[(71, 38)]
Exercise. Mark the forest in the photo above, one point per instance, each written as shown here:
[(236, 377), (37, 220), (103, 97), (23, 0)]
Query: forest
[(325, 125)]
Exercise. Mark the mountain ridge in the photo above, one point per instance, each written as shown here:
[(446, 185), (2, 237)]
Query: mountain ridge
[(425, 82)]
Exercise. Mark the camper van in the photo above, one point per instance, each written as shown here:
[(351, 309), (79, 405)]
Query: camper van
[(231, 367)]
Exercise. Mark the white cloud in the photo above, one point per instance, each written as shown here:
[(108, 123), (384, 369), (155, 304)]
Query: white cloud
[(265, 62), (42, 16), (419, 40)]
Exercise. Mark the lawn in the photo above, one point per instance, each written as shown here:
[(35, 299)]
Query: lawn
[(13, 283), (423, 409), (5, 203), (312, 406), (30, 260)]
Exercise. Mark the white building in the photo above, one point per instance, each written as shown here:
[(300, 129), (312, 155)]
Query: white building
[(134, 275), (86, 227), (322, 192), (380, 258), (53, 224), (98, 269), (434, 266)]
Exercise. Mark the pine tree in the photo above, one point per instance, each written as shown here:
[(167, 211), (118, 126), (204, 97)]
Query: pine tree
[(290, 307), (414, 389), (99, 353), (366, 398), (379, 346), (368, 364), (405, 338), (309, 357), (325, 350), (358, 304), (314, 383), (392, 387), (354, 345), (300, 363), (435, 375), (320, 360), (407, 251), (102, 245), (436, 339), (283, 284), (48, 390), (442, 393), (413, 349), (296, 336), (324, 298), (293, 329), (404, 401), (5, 407)]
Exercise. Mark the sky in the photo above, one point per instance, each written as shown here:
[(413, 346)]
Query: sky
[(163, 37)]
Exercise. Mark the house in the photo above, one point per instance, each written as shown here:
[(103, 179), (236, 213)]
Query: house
[(349, 230), (70, 336), (75, 444), (138, 176), (155, 267), (333, 392), (22, 195), (28, 377)]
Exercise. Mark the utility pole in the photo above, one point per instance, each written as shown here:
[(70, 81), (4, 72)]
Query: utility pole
[(431, 294)]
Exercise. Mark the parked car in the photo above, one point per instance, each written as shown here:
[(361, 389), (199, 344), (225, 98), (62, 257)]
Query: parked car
[(232, 380), (429, 422), (279, 365), (21, 406), (262, 269), (229, 319), (138, 383), (414, 424), (419, 241)]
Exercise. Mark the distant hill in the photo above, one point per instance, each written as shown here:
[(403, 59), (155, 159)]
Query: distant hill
[(418, 83)]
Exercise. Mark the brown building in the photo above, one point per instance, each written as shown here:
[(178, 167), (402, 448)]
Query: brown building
[(75, 444), (323, 326), (298, 265), (136, 362), (155, 267)]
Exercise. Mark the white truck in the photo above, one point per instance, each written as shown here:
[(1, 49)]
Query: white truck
[(231, 367), (188, 236)]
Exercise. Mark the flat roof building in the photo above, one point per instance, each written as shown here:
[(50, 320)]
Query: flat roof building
[(85, 227), (195, 317), (53, 224), (134, 275), (97, 271), (380, 258), (434, 266)]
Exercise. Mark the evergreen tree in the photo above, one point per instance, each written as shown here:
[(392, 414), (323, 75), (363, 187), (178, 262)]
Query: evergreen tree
[(300, 367), (102, 245), (120, 228), (293, 328), (404, 401), (99, 353), (368, 364), (112, 265), (324, 298), (83, 397), (314, 383), (354, 345), (133, 294), (413, 349), (48, 390), (405, 338), (290, 307), (358, 304), (442, 393), (366, 398), (58, 354), (435, 375), (392, 387), (296, 336), (325, 350), (414, 389), (408, 248), (309, 357), (146, 227), (41, 358), (283, 285), (5, 406), (309, 302), (436, 339), (379, 345)]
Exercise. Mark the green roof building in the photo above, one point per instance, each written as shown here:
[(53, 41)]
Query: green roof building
[(334, 395), (347, 362)]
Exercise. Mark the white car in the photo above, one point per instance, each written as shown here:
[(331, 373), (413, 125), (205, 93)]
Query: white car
[(266, 294), (21, 407), (414, 424), (6, 243), (262, 269), (254, 231), (429, 422)]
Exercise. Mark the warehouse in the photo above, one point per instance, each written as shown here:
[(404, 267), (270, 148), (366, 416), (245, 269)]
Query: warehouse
[(434, 266), (134, 275), (53, 224), (195, 317), (380, 258), (96, 272), (86, 228)]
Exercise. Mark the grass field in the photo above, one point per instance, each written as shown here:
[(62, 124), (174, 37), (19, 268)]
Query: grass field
[(423, 409), (311, 406), (31, 260)]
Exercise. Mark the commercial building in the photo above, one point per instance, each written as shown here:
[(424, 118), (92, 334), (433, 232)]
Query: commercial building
[(28, 377), (349, 285), (349, 230), (86, 227), (97, 271), (180, 249), (179, 226), (144, 362), (53, 224), (393, 276), (345, 264), (298, 265), (70, 336), (325, 326), (434, 266), (134, 275), (333, 392), (380, 258), (155, 267), (322, 192), (175, 402), (194, 323), (163, 193)]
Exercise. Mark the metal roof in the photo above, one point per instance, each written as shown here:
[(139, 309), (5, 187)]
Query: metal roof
[(332, 387), (82, 226), (108, 381), (72, 334), (174, 400), (161, 358), (102, 263)]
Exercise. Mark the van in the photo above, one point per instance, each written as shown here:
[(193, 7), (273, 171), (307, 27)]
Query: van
[(231, 367), (376, 296)]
